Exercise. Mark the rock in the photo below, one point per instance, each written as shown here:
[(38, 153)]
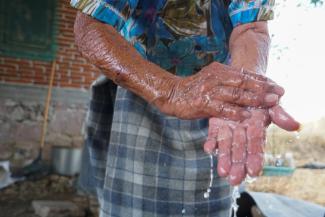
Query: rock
[(58, 140), (49, 208), (22, 157), (6, 151), (10, 103), (27, 132), (54, 178), (7, 134), (68, 122), (3, 111), (81, 201), (18, 114)]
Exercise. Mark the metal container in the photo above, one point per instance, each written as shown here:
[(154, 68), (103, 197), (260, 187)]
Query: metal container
[(66, 161)]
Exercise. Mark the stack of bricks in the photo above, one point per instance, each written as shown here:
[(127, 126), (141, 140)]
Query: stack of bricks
[(71, 69)]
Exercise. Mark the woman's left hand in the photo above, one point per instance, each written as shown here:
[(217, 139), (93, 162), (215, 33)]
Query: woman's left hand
[(241, 145)]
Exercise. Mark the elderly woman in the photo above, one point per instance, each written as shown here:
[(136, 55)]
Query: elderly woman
[(168, 66)]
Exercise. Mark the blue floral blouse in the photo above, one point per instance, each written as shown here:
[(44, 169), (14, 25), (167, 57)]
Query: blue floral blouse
[(181, 36)]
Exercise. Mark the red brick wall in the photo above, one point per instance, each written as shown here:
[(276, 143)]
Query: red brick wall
[(71, 70)]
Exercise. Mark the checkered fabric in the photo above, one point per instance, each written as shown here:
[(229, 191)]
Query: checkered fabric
[(148, 164)]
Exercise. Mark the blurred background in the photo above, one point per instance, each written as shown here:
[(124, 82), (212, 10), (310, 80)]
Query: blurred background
[(296, 62), (37, 47)]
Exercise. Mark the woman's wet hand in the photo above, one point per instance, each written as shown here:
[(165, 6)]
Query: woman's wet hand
[(240, 145), (220, 91)]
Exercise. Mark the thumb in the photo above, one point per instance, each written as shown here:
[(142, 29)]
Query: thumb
[(282, 119)]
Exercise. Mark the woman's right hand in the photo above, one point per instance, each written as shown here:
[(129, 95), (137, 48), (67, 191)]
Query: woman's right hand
[(218, 91)]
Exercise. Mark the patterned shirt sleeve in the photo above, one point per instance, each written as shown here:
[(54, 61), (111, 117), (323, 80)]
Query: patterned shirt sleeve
[(112, 12), (247, 11)]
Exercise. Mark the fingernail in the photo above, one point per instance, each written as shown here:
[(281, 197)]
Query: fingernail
[(246, 114), (207, 149), (299, 128), (279, 90), (271, 98)]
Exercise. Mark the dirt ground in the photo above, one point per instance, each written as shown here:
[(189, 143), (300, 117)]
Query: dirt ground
[(16, 200), (304, 184)]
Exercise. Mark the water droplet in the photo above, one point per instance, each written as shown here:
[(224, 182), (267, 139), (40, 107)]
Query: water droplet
[(297, 135), (207, 193), (235, 196), (250, 179)]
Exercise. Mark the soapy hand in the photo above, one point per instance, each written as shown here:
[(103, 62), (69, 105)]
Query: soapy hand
[(220, 91), (240, 145)]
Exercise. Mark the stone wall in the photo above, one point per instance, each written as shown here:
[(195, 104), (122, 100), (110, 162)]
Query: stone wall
[(21, 119)]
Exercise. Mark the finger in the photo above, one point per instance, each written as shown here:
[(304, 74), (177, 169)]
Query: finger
[(256, 137), (248, 82), (224, 144), (278, 90), (260, 77), (243, 97), (256, 76), (282, 119), (211, 143), (229, 76), (226, 110), (237, 174), (238, 150), (224, 165), (238, 156), (254, 164)]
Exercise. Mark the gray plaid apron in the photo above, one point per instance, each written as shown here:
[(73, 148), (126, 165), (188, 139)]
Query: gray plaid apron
[(145, 163)]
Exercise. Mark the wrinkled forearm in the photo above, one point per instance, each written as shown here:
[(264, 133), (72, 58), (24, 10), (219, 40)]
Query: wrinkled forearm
[(249, 47), (216, 90), (120, 61)]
